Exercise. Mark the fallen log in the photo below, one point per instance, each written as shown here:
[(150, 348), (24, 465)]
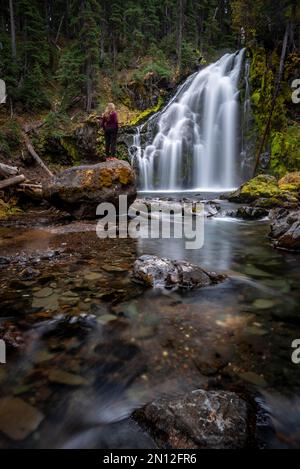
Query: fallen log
[(34, 154), (13, 181), (27, 128), (6, 170)]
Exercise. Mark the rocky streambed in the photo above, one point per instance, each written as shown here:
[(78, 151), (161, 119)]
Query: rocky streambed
[(97, 360)]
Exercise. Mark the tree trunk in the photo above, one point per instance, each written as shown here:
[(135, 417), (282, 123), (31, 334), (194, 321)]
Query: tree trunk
[(59, 29), (179, 33), (12, 29), (276, 91)]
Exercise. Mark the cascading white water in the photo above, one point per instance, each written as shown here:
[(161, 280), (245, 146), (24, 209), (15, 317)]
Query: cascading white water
[(195, 146)]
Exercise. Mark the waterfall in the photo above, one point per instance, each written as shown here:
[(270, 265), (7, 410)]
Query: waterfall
[(195, 139)]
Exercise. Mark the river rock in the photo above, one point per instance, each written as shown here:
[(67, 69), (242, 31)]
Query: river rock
[(158, 272), (80, 189), (285, 229), (198, 419), (248, 213)]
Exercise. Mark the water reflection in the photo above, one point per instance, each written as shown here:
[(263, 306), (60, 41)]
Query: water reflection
[(87, 346)]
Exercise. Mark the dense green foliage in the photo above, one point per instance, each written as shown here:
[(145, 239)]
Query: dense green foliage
[(56, 55), (69, 42)]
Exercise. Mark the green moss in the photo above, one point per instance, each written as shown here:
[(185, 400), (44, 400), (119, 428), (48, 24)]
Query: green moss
[(9, 209), (144, 115), (70, 149), (265, 192), (283, 137), (261, 186)]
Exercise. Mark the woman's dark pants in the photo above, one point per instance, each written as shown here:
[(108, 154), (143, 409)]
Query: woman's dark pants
[(110, 142)]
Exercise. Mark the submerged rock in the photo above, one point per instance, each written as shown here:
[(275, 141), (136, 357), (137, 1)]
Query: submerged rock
[(158, 272), (211, 208), (285, 229), (63, 377), (199, 419), (18, 419), (79, 190)]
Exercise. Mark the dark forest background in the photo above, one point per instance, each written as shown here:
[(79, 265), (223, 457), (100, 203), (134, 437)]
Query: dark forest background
[(60, 49), (63, 60)]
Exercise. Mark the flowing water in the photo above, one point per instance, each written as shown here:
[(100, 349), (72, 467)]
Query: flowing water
[(195, 140), (122, 345)]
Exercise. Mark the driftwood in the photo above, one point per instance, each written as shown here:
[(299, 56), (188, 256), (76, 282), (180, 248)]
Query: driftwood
[(7, 171), (31, 190), (13, 181), (34, 154)]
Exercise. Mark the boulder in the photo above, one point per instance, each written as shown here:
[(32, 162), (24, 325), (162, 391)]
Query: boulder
[(291, 181), (79, 190), (155, 272), (265, 191), (285, 229), (198, 419), (262, 186)]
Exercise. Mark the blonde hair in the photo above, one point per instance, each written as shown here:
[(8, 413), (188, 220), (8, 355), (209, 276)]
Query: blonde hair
[(109, 109)]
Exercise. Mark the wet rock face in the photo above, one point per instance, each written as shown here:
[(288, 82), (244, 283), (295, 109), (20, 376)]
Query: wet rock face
[(248, 213), (285, 229), (79, 190), (165, 273), (199, 419)]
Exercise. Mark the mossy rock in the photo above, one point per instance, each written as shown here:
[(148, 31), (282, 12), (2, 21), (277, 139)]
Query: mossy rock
[(264, 191), (79, 190), (290, 182), (262, 186)]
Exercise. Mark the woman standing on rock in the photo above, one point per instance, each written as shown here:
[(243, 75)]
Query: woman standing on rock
[(110, 127)]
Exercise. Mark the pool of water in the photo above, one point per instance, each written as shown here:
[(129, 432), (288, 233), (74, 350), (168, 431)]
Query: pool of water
[(87, 346)]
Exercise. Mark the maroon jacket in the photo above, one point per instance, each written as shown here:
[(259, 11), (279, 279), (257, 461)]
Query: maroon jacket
[(110, 122)]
